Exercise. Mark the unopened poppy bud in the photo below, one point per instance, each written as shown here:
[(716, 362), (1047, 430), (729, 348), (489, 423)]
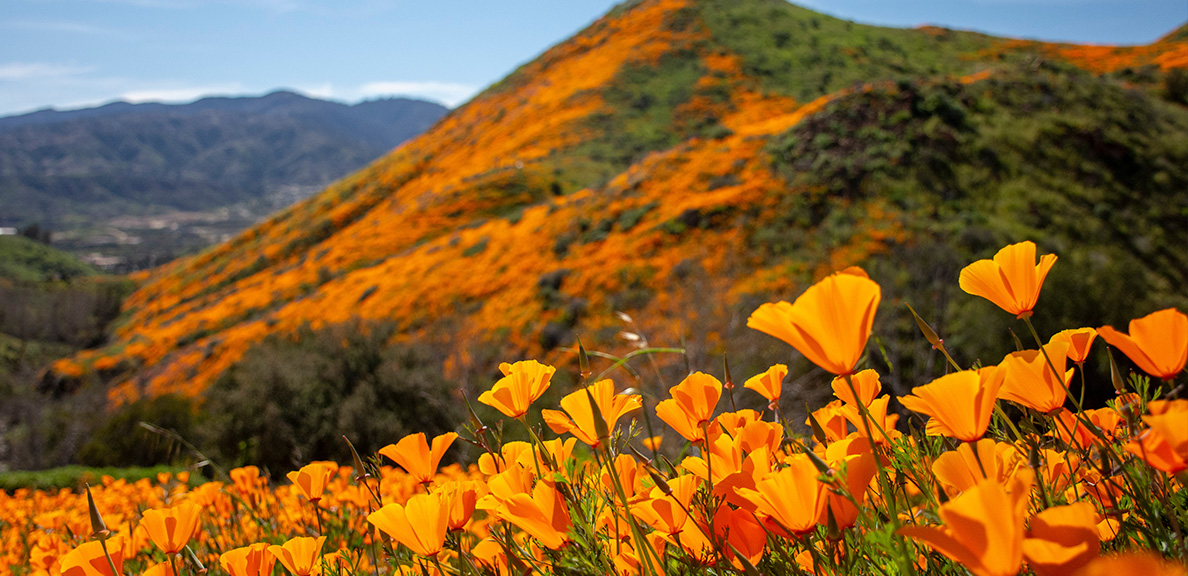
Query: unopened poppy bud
[(818, 431), (1115, 374), (929, 333), (98, 527), (818, 462), (360, 472), (728, 383), (583, 361), (599, 422)]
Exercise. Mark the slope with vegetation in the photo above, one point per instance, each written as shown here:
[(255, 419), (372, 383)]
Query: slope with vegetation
[(681, 161)]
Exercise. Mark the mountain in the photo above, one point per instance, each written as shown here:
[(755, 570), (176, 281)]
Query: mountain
[(681, 162), (81, 172)]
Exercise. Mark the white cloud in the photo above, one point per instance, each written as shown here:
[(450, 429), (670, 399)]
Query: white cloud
[(185, 94), (450, 93), (32, 70)]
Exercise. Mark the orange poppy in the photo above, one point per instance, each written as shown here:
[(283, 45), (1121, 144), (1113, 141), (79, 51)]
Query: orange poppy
[(416, 457), (522, 383), (1062, 539), (581, 420), (420, 524), (171, 528), (1028, 380), (1079, 341), (311, 479), (960, 404), (691, 406), (1165, 445), (791, 496), (542, 515), (1012, 280), (975, 462), (866, 384), (88, 559), (1146, 563), (983, 527), (830, 323), (769, 384), (668, 513), (1157, 343), (300, 555), (254, 560)]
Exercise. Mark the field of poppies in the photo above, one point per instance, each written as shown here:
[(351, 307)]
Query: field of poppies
[(1011, 475)]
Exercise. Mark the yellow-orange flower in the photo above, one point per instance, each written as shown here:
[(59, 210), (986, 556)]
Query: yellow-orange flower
[(581, 417), (1157, 343), (311, 479), (830, 323), (691, 406), (160, 569), (88, 559), (171, 528), (1012, 280), (522, 383), (973, 463), (1145, 562), (542, 515), (1079, 342), (769, 384), (420, 524), (959, 404), (1062, 539), (1028, 378), (416, 457), (983, 527), (791, 497), (254, 560), (300, 555)]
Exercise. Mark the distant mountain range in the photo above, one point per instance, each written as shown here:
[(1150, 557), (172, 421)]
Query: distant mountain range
[(100, 177)]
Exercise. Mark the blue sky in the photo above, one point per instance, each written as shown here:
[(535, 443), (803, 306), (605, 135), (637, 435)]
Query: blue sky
[(75, 53)]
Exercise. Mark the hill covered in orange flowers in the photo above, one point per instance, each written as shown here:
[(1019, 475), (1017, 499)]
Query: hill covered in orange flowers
[(681, 161)]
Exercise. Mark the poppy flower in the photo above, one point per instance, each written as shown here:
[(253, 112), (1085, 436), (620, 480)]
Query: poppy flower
[(1079, 340), (254, 560), (769, 384), (1062, 539), (582, 418), (691, 406), (830, 323), (300, 555), (420, 524), (983, 527), (973, 463), (171, 528), (1144, 562), (522, 383), (1157, 342), (669, 512), (88, 559), (160, 569), (866, 384), (1028, 379), (543, 515), (960, 404), (416, 457), (791, 496), (311, 479), (1012, 280)]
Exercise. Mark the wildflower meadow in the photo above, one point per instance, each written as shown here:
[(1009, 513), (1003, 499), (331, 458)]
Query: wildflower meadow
[(1010, 475)]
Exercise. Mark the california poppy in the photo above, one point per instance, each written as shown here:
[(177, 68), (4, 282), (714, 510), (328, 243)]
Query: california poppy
[(311, 479), (1028, 378), (414, 454), (1079, 341), (1157, 342), (543, 515), (791, 497), (960, 404), (691, 406), (88, 559), (1012, 280), (973, 463), (160, 569), (581, 419), (1143, 562), (254, 560), (522, 383), (769, 384), (300, 555), (1062, 539), (421, 523), (983, 527), (829, 323), (172, 528)]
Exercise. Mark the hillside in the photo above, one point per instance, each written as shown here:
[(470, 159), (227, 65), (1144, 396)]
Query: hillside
[(682, 162), (126, 179), (28, 261)]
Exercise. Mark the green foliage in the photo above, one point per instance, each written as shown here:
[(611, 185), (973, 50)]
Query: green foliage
[(291, 399), (122, 441), (75, 477), (73, 313), (1091, 170), (27, 261), (804, 54)]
